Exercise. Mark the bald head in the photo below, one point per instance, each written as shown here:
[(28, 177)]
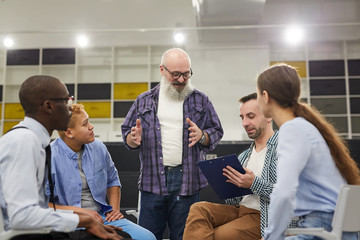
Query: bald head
[(36, 89), (176, 55)]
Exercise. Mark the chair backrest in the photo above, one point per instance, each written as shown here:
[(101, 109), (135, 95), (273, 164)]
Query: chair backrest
[(347, 212)]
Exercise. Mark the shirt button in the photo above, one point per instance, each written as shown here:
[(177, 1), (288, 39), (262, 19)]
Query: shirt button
[(160, 158), (162, 172), (158, 128)]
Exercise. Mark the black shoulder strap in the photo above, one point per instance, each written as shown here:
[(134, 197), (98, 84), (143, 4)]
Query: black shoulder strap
[(16, 128)]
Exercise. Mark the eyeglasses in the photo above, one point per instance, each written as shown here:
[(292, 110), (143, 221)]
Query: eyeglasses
[(177, 75), (69, 100)]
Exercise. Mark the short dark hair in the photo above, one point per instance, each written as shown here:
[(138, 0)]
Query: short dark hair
[(246, 98), (35, 90)]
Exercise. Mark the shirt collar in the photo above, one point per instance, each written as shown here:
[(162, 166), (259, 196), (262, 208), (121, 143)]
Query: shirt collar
[(40, 131), (273, 139), (68, 151)]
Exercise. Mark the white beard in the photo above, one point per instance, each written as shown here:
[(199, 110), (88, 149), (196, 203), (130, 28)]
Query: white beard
[(173, 93)]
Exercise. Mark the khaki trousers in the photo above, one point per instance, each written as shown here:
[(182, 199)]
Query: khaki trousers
[(212, 221)]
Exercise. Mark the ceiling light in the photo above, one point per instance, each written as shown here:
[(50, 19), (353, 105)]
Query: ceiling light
[(294, 35), (179, 38), (82, 40), (8, 42)]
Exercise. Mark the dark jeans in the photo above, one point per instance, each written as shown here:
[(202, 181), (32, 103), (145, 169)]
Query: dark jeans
[(76, 235), (158, 210)]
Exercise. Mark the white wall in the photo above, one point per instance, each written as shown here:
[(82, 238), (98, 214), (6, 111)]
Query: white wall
[(225, 75)]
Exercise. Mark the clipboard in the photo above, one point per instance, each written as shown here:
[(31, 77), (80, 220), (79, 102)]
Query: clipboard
[(213, 171)]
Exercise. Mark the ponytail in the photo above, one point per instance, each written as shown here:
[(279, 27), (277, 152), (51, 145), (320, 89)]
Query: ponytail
[(339, 151), (283, 84)]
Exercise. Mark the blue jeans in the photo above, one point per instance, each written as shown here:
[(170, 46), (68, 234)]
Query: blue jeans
[(320, 220), (158, 210), (135, 231)]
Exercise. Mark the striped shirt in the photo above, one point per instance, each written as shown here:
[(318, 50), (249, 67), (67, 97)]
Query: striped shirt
[(200, 110), (263, 185)]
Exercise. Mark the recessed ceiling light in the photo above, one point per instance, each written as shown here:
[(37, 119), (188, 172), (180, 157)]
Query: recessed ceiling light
[(179, 37), (82, 40), (8, 42), (294, 35)]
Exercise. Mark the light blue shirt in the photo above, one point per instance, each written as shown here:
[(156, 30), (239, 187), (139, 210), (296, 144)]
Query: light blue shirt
[(307, 178), (22, 181), (97, 165)]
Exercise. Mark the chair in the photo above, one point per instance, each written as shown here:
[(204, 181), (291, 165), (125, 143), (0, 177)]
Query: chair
[(5, 235), (346, 216), (135, 212)]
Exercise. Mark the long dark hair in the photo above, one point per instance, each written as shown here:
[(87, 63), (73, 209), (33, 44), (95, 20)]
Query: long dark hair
[(282, 84)]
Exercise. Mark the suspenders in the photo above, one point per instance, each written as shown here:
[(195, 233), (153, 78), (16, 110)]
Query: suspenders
[(48, 165), (16, 128)]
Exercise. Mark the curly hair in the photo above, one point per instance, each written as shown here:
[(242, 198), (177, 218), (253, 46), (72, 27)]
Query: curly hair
[(75, 111)]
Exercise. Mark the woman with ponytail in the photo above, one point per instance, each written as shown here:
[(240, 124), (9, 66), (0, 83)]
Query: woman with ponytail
[(313, 160)]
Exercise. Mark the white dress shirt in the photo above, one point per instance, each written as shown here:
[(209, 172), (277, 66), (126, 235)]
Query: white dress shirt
[(22, 181)]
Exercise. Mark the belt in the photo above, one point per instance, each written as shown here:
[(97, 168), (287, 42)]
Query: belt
[(167, 168)]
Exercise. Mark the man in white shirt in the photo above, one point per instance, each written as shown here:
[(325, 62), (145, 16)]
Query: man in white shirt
[(22, 162), (243, 217)]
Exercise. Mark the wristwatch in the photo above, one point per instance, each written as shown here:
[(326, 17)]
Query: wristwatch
[(203, 138)]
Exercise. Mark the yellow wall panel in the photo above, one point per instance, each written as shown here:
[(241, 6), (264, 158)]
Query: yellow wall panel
[(0, 109), (14, 111), (97, 109), (124, 91), (9, 125), (299, 65)]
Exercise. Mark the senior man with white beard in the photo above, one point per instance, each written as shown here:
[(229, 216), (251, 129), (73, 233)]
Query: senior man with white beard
[(173, 125)]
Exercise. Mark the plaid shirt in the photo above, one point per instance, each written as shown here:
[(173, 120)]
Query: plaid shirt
[(263, 185), (200, 110)]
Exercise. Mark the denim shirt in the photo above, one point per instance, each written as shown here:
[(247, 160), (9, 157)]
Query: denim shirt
[(200, 110), (98, 167)]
